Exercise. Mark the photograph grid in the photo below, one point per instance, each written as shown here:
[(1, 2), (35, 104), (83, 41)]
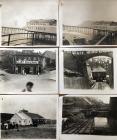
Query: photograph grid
[(58, 69)]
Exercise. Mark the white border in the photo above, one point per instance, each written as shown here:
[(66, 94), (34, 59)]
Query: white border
[(86, 91), (61, 22)]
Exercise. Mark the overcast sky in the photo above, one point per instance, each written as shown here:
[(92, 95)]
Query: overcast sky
[(17, 12), (105, 99), (77, 11), (44, 105)]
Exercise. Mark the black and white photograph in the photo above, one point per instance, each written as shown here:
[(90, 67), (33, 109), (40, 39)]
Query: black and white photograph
[(29, 22), (58, 70), (88, 69), (89, 115), (29, 70), (29, 117), (89, 22)]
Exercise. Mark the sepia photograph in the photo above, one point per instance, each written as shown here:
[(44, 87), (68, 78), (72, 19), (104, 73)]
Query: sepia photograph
[(29, 117), (29, 70), (89, 22), (29, 22), (89, 115), (88, 69)]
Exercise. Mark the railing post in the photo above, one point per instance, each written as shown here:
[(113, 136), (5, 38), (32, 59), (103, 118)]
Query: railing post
[(33, 39), (9, 39)]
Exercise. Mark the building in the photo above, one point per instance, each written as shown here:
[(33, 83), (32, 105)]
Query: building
[(49, 60), (27, 62), (23, 118), (41, 25)]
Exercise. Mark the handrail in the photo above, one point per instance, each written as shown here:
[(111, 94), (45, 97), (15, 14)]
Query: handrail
[(32, 37), (29, 33), (102, 39), (15, 34)]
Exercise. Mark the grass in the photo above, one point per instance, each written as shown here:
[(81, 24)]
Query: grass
[(30, 132)]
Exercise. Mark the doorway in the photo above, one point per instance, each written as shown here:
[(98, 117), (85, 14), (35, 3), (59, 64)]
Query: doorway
[(27, 70)]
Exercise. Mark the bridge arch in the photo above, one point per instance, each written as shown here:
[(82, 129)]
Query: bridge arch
[(107, 54)]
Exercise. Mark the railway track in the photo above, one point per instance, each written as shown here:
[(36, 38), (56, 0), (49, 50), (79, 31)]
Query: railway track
[(84, 127), (100, 85)]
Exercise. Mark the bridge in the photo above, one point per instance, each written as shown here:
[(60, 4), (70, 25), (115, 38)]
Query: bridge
[(76, 62), (76, 59), (85, 55), (98, 35), (20, 36)]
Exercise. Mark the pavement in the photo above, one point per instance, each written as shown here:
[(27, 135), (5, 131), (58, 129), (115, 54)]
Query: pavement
[(44, 83)]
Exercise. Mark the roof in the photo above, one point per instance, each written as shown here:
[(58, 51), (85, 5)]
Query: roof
[(42, 20), (99, 69), (49, 21), (34, 116), (50, 54), (22, 115)]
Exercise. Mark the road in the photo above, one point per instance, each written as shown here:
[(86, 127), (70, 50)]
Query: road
[(16, 82)]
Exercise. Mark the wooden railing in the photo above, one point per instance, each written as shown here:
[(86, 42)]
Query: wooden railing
[(29, 38)]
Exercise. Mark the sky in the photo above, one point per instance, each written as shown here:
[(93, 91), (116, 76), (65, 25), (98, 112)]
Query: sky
[(105, 99), (44, 105), (18, 12), (77, 11)]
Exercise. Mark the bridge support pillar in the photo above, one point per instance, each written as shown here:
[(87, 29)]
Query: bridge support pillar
[(113, 114)]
